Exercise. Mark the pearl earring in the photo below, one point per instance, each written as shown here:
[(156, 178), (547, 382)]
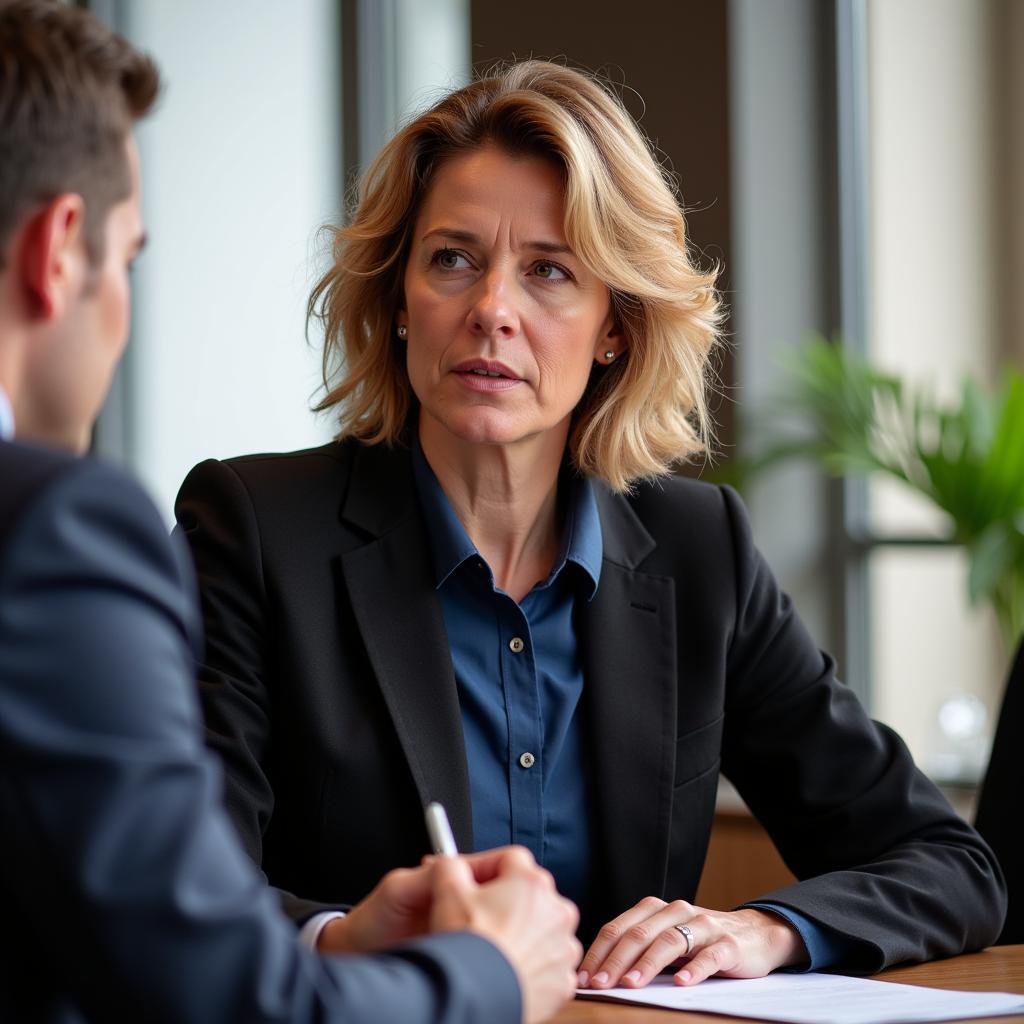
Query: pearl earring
[(403, 331), (609, 355)]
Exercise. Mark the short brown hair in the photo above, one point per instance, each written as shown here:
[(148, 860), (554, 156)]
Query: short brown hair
[(641, 414), (70, 90)]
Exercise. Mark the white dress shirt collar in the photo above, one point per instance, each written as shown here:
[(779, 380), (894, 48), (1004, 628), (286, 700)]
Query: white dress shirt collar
[(6, 417)]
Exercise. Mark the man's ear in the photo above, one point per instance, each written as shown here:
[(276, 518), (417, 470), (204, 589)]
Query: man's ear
[(53, 256)]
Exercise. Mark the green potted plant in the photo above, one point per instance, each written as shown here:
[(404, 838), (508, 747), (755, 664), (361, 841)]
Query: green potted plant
[(966, 457)]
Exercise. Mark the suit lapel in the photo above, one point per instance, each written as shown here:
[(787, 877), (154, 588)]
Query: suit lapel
[(390, 585), (629, 650)]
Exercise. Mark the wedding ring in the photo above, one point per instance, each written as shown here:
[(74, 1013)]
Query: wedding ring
[(686, 934)]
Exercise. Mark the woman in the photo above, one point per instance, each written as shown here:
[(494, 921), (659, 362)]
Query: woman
[(490, 591)]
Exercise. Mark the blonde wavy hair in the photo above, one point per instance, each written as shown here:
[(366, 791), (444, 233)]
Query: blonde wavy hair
[(639, 415)]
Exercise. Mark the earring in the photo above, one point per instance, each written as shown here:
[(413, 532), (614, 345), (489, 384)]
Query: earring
[(609, 355), (403, 331)]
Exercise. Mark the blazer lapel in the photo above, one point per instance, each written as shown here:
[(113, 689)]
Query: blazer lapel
[(391, 587), (629, 650)]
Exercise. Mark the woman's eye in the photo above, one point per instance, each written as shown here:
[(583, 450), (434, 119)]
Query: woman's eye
[(549, 271), (450, 259)]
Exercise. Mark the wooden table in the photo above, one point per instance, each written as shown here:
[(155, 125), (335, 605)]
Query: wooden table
[(998, 969)]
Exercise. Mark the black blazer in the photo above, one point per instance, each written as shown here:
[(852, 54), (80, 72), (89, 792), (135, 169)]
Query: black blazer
[(999, 817), (126, 895), (329, 691)]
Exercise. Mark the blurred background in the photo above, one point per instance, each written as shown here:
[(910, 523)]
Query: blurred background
[(853, 165)]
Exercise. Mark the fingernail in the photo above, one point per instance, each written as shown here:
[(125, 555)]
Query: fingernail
[(581, 979), (601, 977), (633, 976), (682, 977)]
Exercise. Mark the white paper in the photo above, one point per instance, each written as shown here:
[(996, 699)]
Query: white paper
[(817, 999)]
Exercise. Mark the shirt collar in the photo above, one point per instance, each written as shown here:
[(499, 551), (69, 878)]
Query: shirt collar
[(451, 546), (6, 417)]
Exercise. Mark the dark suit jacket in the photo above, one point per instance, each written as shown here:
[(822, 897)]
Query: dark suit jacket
[(999, 817), (328, 689), (126, 894)]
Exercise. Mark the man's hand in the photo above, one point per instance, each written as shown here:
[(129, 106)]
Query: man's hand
[(521, 913), (397, 909), (501, 895)]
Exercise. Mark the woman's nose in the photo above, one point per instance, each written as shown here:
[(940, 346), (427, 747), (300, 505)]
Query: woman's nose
[(495, 311)]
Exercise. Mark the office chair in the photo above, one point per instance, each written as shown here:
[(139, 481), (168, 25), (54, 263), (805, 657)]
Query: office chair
[(1000, 817)]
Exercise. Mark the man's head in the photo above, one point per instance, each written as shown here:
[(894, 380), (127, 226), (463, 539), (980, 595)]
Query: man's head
[(70, 223)]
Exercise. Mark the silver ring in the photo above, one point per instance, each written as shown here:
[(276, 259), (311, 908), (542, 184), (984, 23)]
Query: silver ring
[(686, 934)]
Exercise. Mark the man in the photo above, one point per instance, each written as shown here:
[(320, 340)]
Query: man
[(127, 896)]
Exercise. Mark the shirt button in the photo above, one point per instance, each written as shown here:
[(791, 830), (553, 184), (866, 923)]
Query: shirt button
[(515, 645), (527, 760)]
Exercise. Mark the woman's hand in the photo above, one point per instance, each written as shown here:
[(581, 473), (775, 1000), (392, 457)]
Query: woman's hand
[(643, 941)]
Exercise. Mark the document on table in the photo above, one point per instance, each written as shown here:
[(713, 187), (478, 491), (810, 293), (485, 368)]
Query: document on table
[(817, 999)]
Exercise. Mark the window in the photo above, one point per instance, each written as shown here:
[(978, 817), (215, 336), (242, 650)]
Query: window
[(936, 230)]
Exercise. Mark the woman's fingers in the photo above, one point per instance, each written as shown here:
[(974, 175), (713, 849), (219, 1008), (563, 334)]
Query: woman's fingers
[(622, 941), (639, 944), (719, 957), (668, 946), (609, 936)]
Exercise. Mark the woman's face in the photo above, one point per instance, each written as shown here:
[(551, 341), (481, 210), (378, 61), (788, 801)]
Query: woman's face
[(504, 320)]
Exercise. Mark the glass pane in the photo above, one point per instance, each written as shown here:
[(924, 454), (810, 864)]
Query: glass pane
[(433, 49), (896, 510), (241, 166), (936, 227), (937, 665)]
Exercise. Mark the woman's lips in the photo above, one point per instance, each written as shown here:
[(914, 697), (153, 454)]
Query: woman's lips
[(483, 375)]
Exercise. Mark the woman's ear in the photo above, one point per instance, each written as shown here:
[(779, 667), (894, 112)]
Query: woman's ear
[(401, 314), (611, 345)]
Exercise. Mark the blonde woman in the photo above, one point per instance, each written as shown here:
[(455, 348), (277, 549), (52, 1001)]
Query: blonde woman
[(491, 591)]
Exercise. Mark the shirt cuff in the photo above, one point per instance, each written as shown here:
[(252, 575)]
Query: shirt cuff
[(825, 948), (309, 933)]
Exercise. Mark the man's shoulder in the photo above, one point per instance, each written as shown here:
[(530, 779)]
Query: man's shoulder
[(25, 469), (66, 491), (80, 520)]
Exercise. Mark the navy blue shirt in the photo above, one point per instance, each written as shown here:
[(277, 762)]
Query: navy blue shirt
[(520, 679)]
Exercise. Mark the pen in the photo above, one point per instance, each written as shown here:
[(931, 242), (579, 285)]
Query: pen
[(439, 830)]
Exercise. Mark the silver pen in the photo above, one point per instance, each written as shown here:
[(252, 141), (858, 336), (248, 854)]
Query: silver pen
[(440, 830)]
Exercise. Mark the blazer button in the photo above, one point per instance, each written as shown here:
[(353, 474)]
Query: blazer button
[(515, 645), (527, 760)]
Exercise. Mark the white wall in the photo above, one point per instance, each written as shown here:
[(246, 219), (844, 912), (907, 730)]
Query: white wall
[(241, 165)]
